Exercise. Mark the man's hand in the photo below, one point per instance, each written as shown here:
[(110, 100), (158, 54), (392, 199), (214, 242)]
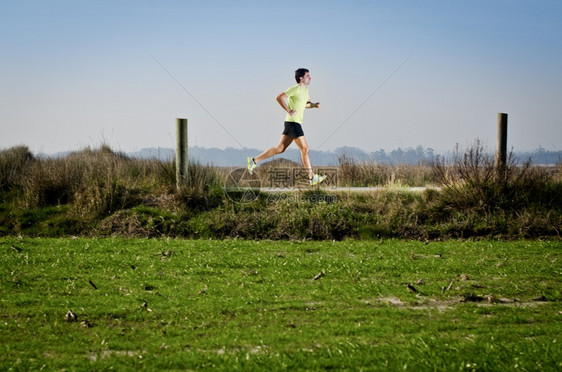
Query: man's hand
[(313, 105)]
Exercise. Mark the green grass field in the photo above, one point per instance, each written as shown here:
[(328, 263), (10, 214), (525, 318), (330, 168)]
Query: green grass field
[(269, 305)]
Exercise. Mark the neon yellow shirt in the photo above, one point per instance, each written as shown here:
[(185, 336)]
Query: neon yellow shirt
[(297, 97)]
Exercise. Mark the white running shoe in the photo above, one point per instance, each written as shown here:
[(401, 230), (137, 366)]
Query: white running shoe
[(317, 179), (251, 164)]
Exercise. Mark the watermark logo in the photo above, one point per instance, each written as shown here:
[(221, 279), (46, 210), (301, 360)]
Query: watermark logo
[(241, 186), (310, 197), (298, 177), (278, 184)]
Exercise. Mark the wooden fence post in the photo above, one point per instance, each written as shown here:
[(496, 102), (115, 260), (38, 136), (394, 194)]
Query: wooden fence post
[(181, 153), (501, 146)]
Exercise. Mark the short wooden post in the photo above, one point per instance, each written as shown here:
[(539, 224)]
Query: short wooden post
[(501, 146), (181, 153)]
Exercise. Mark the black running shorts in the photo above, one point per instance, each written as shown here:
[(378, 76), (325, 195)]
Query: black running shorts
[(293, 130)]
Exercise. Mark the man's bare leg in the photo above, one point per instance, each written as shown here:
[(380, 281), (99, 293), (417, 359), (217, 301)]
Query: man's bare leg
[(303, 147), (284, 142)]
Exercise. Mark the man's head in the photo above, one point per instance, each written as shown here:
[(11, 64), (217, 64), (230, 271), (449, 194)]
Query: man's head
[(299, 74)]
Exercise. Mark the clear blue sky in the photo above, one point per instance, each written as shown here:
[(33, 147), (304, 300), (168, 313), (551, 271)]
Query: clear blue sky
[(78, 73)]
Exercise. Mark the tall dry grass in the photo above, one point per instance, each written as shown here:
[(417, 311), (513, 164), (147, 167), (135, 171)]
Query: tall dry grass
[(98, 182), (473, 181), (517, 199), (371, 173), (14, 166)]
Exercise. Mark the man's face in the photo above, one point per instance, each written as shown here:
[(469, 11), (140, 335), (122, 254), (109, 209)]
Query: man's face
[(306, 78)]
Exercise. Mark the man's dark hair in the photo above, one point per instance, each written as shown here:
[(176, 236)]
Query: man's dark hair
[(300, 73)]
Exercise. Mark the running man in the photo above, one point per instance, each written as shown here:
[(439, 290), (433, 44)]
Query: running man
[(294, 100)]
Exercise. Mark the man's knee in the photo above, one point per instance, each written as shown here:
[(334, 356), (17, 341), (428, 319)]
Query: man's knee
[(304, 150), (280, 148)]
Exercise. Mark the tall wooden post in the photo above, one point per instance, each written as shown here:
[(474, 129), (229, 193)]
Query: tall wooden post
[(501, 146), (181, 153)]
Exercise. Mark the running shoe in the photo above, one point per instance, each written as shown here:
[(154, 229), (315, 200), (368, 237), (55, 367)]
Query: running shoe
[(251, 164), (317, 179)]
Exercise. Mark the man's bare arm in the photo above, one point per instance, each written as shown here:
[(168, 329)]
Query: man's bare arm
[(281, 100)]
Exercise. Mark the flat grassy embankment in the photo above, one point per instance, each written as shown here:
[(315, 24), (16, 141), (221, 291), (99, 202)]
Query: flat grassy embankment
[(105, 193), (157, 304)]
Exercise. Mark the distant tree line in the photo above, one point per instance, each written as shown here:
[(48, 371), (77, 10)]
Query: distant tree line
[(410, 155)]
